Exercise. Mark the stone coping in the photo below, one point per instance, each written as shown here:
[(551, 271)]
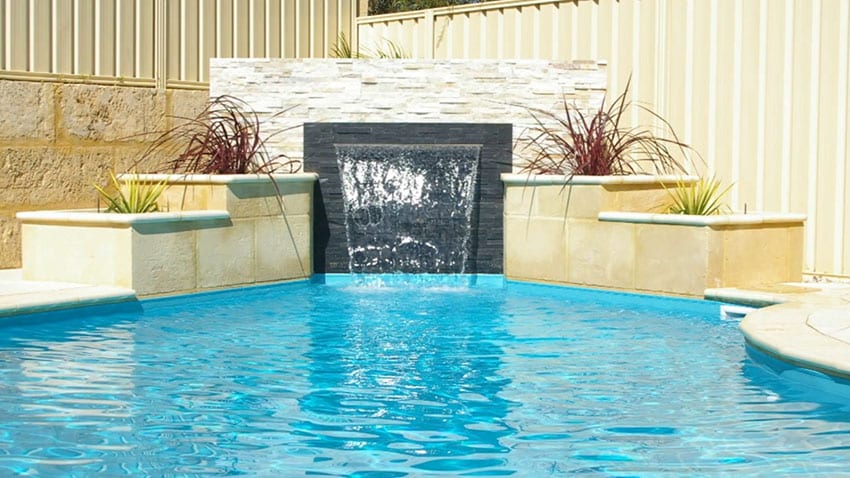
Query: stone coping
[(222, 178), (703, 221), (73, 217), (563, 180), (806, 325), (51, 296), (812, 336)]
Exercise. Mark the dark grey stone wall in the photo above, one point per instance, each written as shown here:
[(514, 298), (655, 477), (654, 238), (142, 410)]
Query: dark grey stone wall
[(329, 240)]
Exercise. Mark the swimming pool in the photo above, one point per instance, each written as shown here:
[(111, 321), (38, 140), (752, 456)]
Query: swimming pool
[(359, 377)]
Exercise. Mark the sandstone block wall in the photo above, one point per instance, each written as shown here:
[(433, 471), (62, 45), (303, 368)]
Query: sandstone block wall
[(57, 139)]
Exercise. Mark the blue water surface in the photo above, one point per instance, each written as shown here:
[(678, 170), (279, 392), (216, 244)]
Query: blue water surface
[(404, 376)]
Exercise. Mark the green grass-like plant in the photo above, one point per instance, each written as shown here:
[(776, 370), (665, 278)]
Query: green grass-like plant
[(701, 198), (388, 50), (140, 197), (342, 48)]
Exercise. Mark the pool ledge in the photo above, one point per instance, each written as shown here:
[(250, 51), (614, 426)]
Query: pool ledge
[(809, 325), (20, 297)]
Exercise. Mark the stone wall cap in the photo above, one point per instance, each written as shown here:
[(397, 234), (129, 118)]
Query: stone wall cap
[(568, 64), (564, 180), (719, 220), (222, 178), (91, 217)]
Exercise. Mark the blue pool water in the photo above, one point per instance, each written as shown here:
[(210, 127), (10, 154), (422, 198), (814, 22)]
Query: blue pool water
[(470, 377)]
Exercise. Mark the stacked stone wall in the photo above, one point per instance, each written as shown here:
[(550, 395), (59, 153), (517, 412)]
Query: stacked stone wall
[(58, 139), (404, 91)]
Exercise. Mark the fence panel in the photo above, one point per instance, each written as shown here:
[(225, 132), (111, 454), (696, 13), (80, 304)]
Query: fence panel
[(758, 87), (121, 39)]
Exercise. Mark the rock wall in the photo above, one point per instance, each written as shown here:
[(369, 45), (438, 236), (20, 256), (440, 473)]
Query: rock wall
[(403, 91), (57, 139)]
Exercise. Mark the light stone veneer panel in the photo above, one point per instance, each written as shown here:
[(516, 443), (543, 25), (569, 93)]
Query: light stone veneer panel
[(601, 254), (674, 259), (226, 255), (284, 248), (535, 248), (88, 255), (757, 255), (383, 90), (164, 262)]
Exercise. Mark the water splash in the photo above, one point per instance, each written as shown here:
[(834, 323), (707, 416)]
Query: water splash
[(408, 208)]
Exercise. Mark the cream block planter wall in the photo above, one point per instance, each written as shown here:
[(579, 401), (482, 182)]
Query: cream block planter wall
[(551, 228), (560, 233), (219, 231), (682, 254)]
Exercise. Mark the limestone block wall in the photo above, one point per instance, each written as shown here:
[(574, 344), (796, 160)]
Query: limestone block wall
[(409, 91), (57, 139)]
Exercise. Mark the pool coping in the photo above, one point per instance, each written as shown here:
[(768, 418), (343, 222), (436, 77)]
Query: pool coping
[(805, 325), (20, 297)]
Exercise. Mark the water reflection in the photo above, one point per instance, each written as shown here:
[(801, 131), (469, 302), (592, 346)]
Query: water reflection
[(73, 399), (417, 389)]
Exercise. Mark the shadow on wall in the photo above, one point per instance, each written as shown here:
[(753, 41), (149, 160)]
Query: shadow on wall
[(58, 139)]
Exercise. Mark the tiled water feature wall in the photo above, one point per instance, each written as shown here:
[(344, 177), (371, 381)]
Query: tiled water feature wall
[(408, 197), (488, 100)]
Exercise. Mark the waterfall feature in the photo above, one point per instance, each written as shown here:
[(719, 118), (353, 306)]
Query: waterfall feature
[(408, 208)]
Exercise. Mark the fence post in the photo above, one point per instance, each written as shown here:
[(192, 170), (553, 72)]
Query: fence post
[(160, 45), (428, 21)]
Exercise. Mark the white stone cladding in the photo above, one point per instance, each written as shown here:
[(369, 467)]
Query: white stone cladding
[(454, 91)]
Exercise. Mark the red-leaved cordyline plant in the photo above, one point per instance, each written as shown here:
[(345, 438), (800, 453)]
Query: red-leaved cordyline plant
[(224, 138), (570, 143)]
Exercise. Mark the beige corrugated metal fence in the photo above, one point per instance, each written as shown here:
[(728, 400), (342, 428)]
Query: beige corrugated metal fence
[(758, 87), (160, 41)]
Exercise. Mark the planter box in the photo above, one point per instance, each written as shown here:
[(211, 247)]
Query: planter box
[(549, 222), (562, 233), (680, 254), (236, 236)]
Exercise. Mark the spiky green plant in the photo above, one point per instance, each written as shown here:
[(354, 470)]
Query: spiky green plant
[(139, 197), (391, 50), (342, 48), (388, 49), (700, 198)]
